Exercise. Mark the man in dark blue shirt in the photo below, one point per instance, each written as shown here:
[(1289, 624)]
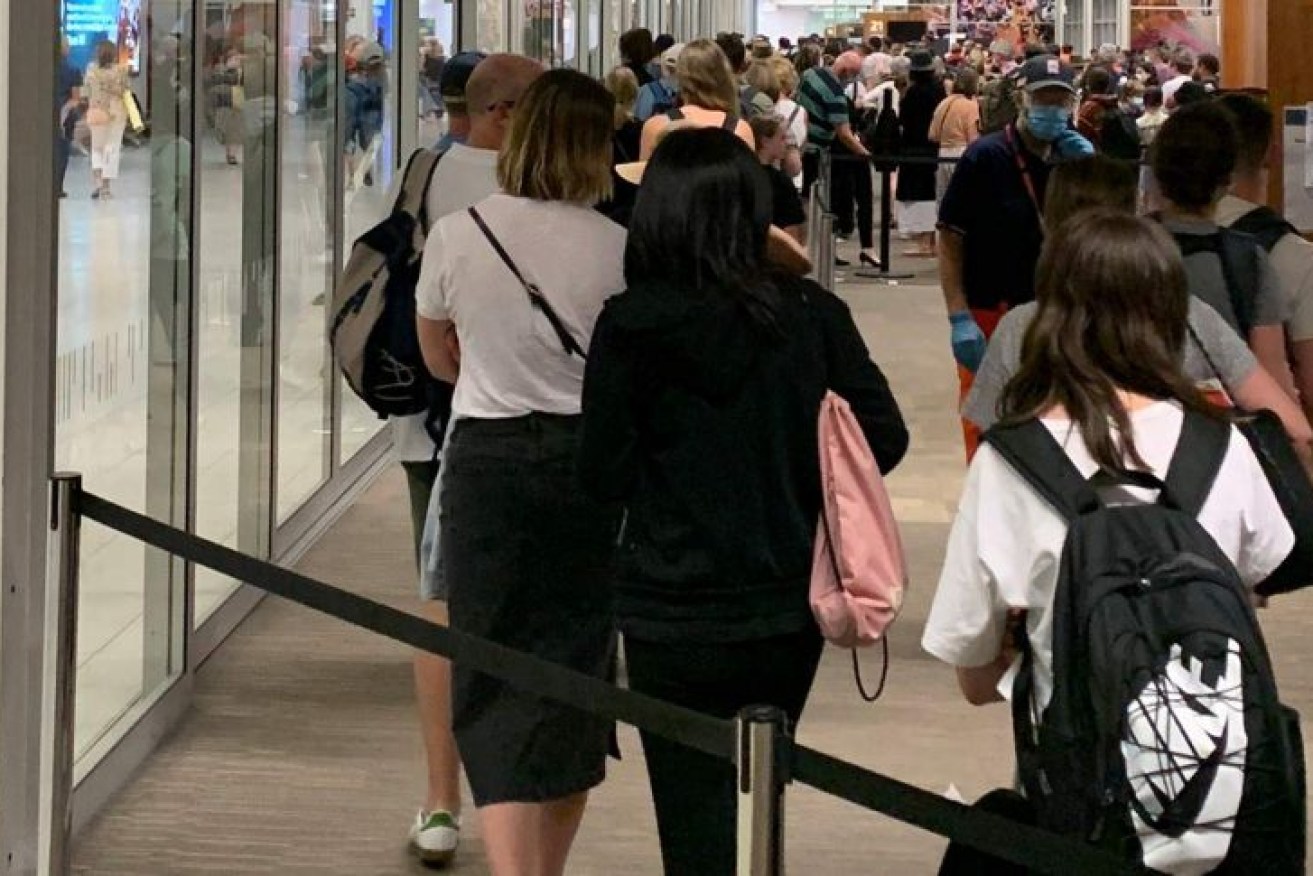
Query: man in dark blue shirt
[(68, 97), (991, 218)]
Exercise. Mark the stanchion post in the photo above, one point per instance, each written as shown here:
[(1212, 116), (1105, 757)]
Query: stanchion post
[(826, 267), (61, 628), (762, 736)]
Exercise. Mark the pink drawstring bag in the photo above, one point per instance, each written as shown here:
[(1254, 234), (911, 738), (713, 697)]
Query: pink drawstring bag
[(859, 570)]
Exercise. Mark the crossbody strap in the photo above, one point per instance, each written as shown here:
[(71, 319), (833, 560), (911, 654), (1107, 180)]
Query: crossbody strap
[(536, 298)]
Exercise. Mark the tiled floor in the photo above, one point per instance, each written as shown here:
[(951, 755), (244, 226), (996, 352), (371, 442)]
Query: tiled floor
[(301, 755)]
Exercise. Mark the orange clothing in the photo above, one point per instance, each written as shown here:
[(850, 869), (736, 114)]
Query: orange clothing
[(956, 122)]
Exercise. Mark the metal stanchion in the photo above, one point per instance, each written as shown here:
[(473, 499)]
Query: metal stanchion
[(885, 271), (762, 733), (825, 269), (814, 215), (61, 629)]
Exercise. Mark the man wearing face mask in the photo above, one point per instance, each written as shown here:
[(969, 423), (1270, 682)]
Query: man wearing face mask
[(991, 218)]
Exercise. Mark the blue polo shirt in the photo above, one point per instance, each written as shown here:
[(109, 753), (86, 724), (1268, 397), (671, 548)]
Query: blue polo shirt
[(988, 203)]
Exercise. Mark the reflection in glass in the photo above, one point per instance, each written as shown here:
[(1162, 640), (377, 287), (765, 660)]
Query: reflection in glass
[(234, 429), (491, 28), (124, 288), (306, 253), (437, 23), (370, 160)]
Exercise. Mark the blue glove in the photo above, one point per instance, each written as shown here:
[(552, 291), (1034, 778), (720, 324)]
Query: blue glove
[(1071, 144), (968, 340)]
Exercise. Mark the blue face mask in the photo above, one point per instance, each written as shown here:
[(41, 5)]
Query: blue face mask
[(1047, 122)]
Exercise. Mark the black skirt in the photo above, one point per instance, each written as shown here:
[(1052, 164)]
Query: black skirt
[(528, 558)]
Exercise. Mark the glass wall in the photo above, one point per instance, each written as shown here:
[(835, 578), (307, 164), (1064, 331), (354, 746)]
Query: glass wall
[(223, 155)]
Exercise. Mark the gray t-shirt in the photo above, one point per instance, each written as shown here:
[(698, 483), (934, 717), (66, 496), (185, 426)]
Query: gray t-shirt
[(1228, 352), (1208, 282)]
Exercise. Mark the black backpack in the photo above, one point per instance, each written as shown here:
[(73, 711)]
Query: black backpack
[(1265, 225), (1164, 729), (882, 135), (1238, 253), (1119, 137), (374, 336)]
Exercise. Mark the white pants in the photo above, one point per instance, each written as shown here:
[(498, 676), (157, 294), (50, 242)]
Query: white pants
[(107, 146)]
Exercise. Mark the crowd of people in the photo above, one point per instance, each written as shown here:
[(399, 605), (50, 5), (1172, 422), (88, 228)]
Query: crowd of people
[(631, 448)]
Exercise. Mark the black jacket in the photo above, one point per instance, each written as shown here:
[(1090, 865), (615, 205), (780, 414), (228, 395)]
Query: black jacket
[(705, 425)]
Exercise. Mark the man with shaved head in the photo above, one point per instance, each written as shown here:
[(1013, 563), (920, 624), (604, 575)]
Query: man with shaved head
[(466, 174)]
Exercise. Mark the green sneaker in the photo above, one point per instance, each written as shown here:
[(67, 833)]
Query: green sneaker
[(435, 836)]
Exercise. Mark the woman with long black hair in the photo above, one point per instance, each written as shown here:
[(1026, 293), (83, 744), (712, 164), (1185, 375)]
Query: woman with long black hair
[(701, 397)]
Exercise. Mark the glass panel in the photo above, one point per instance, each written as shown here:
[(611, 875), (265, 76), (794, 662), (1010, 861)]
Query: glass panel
[(370, 161), (1073, 26), (491, 29), (305, 252), (237, 166), (437, 24), (1105, 23), (124, 293)]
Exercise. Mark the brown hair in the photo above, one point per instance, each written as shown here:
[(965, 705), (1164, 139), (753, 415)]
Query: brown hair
[(559, 144), (1096, 181), (1113, 311), (761, 76), (967, 82), (623, 85), (107, 54), (785, 73), (765, 127), (705, 79)]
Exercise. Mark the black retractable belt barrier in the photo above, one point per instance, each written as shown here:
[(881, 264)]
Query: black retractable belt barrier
[(712, 736), (1031, 847)]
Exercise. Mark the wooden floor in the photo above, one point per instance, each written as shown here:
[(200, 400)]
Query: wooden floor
[(301, 755)]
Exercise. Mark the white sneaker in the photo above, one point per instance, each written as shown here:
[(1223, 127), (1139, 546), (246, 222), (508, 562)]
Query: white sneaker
[(435, 836)]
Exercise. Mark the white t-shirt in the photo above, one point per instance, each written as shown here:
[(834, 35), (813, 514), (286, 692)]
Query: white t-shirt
[(512, 362), (795, 117), (1173, 85), (464, 177), (875, 66), (1005, 548)]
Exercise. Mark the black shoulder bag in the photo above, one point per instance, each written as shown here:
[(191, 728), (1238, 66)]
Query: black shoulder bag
[(1289, 481)]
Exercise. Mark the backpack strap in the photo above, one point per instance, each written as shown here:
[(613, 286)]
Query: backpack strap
[(1238, 254), (413, 197), (1200, 452), (1032, 451), (1265, 225), (675, 114), (731, 123)]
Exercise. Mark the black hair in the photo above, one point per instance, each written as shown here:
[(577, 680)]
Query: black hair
[(1252, 120), (663, 42), (1211, 64), (1194, 155), (1190, 92), (1097, 81), (700, 221), (1153, 97), (737, 53)]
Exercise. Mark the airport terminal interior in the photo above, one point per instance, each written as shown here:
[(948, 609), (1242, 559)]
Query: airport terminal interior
[(182, 315)]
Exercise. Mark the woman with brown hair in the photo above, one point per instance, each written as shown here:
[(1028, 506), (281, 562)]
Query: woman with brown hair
[(105, 85), (955, 125), (526, 554), (708, 95)]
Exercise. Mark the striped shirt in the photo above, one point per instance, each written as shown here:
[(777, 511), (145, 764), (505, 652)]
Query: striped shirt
[(822, 97)]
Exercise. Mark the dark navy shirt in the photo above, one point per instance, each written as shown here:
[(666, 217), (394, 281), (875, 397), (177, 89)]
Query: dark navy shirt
[(70, 77), (989, 204)]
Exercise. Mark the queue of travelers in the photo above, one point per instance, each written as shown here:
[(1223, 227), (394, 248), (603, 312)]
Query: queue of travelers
[(631, 450)]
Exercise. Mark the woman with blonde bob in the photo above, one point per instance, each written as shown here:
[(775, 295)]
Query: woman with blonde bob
[(526, 553), (708, 95)]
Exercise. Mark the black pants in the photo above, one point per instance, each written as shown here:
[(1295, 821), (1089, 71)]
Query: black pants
[(850, 186), (961, 860), (694, 793)]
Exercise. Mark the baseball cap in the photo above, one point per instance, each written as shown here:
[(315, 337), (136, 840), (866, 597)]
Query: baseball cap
[(670, 57), (456, 75), (1046, 71), (371, 53)]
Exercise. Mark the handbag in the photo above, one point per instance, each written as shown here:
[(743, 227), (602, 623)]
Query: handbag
[(134, 112), (1290, 484), (536, 297)]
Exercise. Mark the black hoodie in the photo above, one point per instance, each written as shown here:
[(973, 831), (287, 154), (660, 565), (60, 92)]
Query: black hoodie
[(704, 423)]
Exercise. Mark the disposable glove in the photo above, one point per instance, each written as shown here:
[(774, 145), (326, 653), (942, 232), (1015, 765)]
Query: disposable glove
[(968, 340)]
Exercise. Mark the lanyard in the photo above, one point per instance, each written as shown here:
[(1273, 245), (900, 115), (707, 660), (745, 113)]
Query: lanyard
[(1010, 133)]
